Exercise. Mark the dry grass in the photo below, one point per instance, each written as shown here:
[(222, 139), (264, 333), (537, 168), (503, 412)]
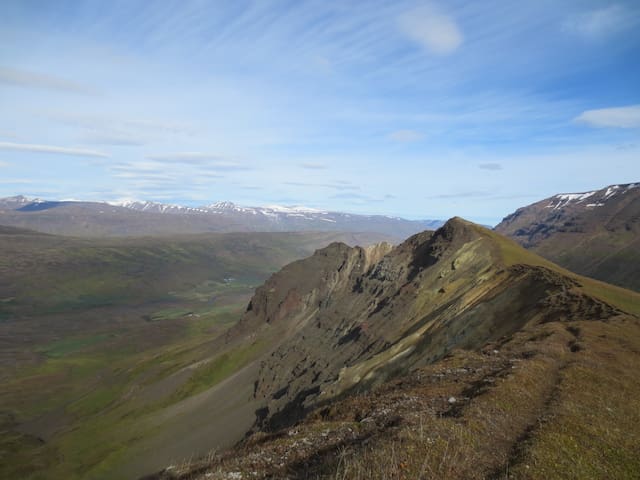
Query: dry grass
[(558, 400)]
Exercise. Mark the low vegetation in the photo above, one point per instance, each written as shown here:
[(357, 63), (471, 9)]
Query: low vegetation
[(99, 337), (552, 402)]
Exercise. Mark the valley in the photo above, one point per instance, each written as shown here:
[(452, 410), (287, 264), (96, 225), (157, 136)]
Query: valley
[(319, 240), (98, 338), (456, 354), (242, 355)]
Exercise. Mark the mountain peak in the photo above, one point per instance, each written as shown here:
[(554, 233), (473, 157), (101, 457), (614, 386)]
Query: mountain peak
[(458, 230), (381, 311)]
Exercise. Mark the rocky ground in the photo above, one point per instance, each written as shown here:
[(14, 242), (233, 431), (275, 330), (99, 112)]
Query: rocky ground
[(529, 406)]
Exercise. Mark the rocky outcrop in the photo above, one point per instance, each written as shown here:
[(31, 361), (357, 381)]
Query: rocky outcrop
[(352, 318)]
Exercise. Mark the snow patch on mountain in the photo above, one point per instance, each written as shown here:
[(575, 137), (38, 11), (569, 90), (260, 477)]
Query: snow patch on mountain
[(599, 197), (156, 207)]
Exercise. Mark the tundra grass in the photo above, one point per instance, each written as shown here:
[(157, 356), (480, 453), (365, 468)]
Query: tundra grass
[(216, 370), (512, 254)]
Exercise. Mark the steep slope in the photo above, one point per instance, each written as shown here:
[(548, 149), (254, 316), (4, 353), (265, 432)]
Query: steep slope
[(101, 337), (151, 218), (556, 400), (592, 233), (48, 273), (381, 316), (476, 331)]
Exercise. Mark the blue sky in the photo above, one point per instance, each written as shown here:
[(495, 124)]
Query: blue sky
[(418, 109)]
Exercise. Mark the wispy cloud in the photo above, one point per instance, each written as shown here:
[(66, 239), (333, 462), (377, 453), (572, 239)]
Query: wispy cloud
[(479, 194), (200, 159), (431, 28), (620, 117), (351, 196), (334, 185), (313, 166), (8, 134), (194, 158), (490, 166), (210, 175), (110, 126), (112, 139), (28, 79), (50, 149), (469, 194), (16, 181), (406, 136), (599, 23)]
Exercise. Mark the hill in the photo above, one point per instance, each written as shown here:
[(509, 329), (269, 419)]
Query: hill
[(94, 332), (441, 356), (595, 233), (93, 219)]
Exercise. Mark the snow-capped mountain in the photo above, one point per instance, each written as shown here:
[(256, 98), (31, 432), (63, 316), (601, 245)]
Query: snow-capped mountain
[(132, 217), (596, 198), (16, 202), (276, 213), (156, 207), (595, 233)]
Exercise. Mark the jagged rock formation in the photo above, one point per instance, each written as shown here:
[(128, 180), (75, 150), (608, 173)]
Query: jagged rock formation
[(592, 233), (456, 354), (351, 318)]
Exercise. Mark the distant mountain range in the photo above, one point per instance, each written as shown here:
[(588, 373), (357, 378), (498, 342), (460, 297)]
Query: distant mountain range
[(594, 233), (150, 218)]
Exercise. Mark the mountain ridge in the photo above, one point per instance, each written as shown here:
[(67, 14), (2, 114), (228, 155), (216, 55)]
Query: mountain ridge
[(595, 233), (347, 300), (133, 218), (348, 322)]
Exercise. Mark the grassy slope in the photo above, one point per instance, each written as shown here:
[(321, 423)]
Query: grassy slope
[(99, 337), (512, 254), (555, 400), (608, 256)]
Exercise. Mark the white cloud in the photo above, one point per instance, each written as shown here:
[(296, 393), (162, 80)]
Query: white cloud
[(16, 181), (114, 139), (8, 134), (186, 157), (332, 185), (313, 166), (114, 126), (490, 166), (598, 23), (25, 147), (23, 78), (621, 117), (406, 136), (199, 159), (434, 30)]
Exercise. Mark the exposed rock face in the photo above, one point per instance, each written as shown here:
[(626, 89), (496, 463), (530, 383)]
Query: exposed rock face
[(350, 318), (592, 233)]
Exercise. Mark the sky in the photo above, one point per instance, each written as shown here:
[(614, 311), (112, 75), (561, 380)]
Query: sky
[(411, 108)]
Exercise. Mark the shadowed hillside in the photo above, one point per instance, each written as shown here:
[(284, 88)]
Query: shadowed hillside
[(469, 328), (99, 337), (592, 233)]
